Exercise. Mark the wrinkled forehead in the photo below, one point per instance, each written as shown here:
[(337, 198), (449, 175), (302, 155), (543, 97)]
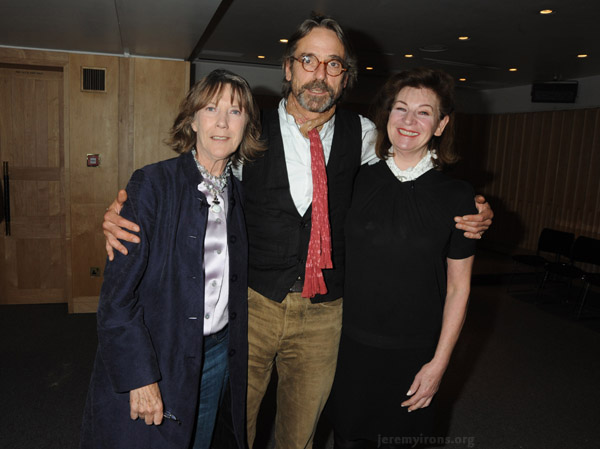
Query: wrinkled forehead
[(321, 42)]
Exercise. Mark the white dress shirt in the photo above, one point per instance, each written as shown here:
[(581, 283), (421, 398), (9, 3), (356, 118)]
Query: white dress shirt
[(297, 153)]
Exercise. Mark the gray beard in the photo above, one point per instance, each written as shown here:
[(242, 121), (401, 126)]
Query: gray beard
[(316, 105)]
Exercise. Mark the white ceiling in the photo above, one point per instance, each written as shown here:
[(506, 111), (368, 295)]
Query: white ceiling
[(508, 33)]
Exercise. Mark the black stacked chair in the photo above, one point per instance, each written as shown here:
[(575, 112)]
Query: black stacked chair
[(585, 250), (552, 242), (591, 256)]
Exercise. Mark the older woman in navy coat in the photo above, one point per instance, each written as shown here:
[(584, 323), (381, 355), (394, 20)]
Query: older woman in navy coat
[(172, 318)]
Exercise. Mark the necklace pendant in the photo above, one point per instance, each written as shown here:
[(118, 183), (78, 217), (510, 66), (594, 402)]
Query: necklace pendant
[(215, 208)]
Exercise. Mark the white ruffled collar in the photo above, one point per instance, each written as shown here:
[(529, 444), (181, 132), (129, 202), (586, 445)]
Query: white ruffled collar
[(411, 173)]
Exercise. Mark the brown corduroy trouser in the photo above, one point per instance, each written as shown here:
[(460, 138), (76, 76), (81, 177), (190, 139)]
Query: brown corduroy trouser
[(302, 339)]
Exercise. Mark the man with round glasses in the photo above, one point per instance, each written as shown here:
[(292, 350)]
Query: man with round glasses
[(310, 63), (296, 199)]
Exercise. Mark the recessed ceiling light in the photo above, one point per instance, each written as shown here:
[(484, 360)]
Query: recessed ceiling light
[(408, 55), (512, 69), (261, 57), (283, 41), (369, 68), (546, 11), (582, 55), (463, 38), (462, 79)]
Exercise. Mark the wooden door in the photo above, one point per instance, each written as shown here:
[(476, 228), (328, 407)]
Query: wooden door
[(33, 262)]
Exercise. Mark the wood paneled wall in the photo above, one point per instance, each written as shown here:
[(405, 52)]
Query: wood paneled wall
[(94, 129), (537, 169), (126, 126), (33, 258)]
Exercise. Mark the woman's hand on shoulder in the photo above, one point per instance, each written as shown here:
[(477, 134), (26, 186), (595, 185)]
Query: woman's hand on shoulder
[(146, 403), (424, 387)]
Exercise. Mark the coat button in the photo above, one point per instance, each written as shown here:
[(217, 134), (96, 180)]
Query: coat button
[(232, 239), (232, 315), (233, 277), (231, 352)]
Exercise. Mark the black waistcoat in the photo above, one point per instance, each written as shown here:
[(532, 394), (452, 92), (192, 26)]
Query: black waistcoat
[(277, 234)]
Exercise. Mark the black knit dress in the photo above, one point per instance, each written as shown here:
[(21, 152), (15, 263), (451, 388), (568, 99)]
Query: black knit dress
[(398, 236)]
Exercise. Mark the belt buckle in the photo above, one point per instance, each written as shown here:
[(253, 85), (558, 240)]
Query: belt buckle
[(297, 286)]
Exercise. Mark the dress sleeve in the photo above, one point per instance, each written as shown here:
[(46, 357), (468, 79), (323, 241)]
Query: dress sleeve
[(461, 247), (124, 342)]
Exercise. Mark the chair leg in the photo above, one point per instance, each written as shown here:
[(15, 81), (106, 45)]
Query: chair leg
[(541, 287), (568, 299), (583, 298), (510, 288)]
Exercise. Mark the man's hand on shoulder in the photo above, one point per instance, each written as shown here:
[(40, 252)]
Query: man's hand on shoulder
[(114, 227), (475, 225)]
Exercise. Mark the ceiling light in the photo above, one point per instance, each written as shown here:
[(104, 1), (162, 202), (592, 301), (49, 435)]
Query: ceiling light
[(512, 69), (582, 55), (546, 11), (408, 56), (261, 57), (283, 41), (462, 79), (369, 68), (463, 38)]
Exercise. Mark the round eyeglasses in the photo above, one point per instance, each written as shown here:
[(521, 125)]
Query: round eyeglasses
[(310, 63)]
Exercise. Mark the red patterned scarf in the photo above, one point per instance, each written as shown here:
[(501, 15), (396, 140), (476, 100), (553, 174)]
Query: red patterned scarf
[(319, 247)]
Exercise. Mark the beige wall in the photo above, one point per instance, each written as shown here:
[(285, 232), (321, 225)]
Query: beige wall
[(126, 125)]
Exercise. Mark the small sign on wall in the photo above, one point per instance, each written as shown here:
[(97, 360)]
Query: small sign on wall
[(93, 160)]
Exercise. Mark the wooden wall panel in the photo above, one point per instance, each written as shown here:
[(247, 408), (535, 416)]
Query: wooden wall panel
[(94, 125), (33, 57), (88, 250), (159, 87), (537, 169), (93, 129), (64, 199), (128, 125), (34, 258)]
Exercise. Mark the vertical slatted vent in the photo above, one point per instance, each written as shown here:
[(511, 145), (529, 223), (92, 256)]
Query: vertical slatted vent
[(93, 79)]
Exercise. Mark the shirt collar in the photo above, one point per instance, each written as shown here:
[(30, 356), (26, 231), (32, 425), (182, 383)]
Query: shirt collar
[(291, 121), (411, 173)]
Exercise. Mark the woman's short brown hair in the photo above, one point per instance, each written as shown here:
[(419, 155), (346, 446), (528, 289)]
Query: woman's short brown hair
[(439, 82), (210, 88)]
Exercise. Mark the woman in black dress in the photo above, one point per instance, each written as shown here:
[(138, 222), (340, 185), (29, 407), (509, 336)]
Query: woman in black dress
[(408, 270)]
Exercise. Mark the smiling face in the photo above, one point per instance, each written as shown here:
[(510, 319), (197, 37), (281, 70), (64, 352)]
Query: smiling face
[(316, 91), (413, 121), (219, 128)]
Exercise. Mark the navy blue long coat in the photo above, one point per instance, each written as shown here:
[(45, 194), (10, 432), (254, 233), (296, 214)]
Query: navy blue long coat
[(150, 326)]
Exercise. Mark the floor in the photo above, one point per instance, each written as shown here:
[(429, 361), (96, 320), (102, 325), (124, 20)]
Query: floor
[(524, 373)]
